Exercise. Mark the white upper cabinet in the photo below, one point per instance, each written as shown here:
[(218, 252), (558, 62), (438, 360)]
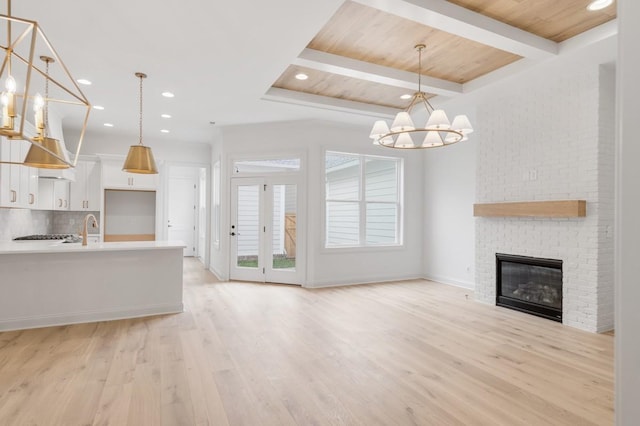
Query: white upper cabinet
[(54, 194), (18, 186), (114, 178), (85, 191)]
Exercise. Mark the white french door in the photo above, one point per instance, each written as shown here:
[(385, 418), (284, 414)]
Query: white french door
[(263, 229)]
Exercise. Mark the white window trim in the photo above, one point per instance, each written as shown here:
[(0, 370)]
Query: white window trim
[(362, 203)]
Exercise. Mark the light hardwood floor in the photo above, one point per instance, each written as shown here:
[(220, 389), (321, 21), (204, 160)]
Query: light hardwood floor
[(407, 353)]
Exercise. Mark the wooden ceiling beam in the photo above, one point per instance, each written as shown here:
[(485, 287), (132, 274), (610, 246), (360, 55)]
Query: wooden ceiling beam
[(275, 94), (353, 68), (465, 23)]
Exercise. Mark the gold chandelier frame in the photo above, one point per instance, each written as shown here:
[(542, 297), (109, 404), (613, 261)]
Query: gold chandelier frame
[(33, 34)]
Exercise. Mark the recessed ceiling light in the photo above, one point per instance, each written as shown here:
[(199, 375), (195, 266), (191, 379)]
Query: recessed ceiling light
[(168, 94), (405, 96), (165, 116), (84, 81), (302, 76), (100, 107), (599, 4), (108, 125), (164, 131)]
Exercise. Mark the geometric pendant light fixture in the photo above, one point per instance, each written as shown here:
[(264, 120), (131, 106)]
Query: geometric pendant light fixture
[(140, 158), (55, 154), (25, 114), (437, 131)]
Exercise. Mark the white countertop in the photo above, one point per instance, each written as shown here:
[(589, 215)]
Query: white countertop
[(56, 246)]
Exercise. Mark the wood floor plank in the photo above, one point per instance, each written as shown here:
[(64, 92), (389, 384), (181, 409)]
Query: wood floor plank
[(404, 353)]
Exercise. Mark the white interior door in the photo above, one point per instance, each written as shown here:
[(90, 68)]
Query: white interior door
[(181, 220), (264, 237)]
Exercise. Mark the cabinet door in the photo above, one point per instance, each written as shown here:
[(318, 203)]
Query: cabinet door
[(5, 173), (32, 187), (61, 195), (78, 189), (28, 179), (93, 182), (114, 177), (45, 194), (143, 181)]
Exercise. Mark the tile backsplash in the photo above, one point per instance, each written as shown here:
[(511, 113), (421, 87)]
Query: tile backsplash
[(20, 222), (70, 222)]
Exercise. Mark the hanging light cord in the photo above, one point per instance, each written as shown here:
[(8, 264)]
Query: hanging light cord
[(420, 47), (46, 97), (141, 77)]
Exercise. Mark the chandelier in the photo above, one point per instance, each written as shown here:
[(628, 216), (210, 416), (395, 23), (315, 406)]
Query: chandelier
[(438, 130), (140, 158), (24, 112)]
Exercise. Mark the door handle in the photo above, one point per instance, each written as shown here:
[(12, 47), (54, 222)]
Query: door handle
[(169, 226)]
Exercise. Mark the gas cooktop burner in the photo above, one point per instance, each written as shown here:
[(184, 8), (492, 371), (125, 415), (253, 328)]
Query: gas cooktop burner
[(44, 237)]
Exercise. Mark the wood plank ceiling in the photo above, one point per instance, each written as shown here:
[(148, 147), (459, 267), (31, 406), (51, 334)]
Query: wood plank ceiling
[(366, 55)]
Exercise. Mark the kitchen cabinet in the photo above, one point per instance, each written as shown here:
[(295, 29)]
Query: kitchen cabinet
[(54, 194), (85, 191), (18, 183), (113, 177)]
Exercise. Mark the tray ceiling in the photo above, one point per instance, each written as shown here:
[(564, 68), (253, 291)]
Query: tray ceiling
[(365, 53)]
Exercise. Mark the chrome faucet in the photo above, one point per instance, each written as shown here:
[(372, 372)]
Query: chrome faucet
[(85, 224)]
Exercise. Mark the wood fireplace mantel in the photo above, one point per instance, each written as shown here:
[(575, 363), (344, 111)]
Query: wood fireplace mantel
[(551, 209)]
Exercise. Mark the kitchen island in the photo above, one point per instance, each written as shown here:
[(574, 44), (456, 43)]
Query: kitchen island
[(45, 283)]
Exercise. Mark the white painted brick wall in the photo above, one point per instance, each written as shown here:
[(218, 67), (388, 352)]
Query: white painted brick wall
[(551, 140)]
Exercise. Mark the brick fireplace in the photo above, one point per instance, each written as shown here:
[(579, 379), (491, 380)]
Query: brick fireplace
[(552, 139)]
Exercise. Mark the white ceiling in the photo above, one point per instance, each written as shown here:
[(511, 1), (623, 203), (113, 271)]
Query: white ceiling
[(219, 58)]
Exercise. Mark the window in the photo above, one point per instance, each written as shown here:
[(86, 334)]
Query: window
[(362, 196)]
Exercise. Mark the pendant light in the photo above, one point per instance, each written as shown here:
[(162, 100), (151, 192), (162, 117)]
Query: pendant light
[(437, 131), (20, 74), (140, 158), (36, 156)]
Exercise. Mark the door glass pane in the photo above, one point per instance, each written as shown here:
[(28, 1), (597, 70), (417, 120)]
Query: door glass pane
[(248, 226), (284, 226)]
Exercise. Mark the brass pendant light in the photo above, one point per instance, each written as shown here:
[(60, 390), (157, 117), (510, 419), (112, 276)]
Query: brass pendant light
[(140, 158), (36, 156)]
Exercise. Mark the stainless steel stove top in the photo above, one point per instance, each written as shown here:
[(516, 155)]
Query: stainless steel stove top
[(44, 237)]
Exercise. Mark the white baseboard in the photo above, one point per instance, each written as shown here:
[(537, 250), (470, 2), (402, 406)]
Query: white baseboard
[(469, 285), (360, 281), (83, 317), (219, 275)]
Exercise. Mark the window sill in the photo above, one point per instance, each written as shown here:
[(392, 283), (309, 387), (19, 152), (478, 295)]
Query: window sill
[(361, 249)]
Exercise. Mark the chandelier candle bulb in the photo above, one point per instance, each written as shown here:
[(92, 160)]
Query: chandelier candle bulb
[(38, 109)]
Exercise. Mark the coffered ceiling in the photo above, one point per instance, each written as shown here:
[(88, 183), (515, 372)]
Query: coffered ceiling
[(234, 62), (365, 53)]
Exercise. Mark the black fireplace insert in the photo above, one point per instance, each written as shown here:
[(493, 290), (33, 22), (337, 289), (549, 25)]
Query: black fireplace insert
[(529, 284)]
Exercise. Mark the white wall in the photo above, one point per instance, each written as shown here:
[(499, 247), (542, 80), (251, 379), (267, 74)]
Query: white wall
[(309, 139), (543, 141), (113, 143), (627, 349), (449, 225), (218, 261)]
